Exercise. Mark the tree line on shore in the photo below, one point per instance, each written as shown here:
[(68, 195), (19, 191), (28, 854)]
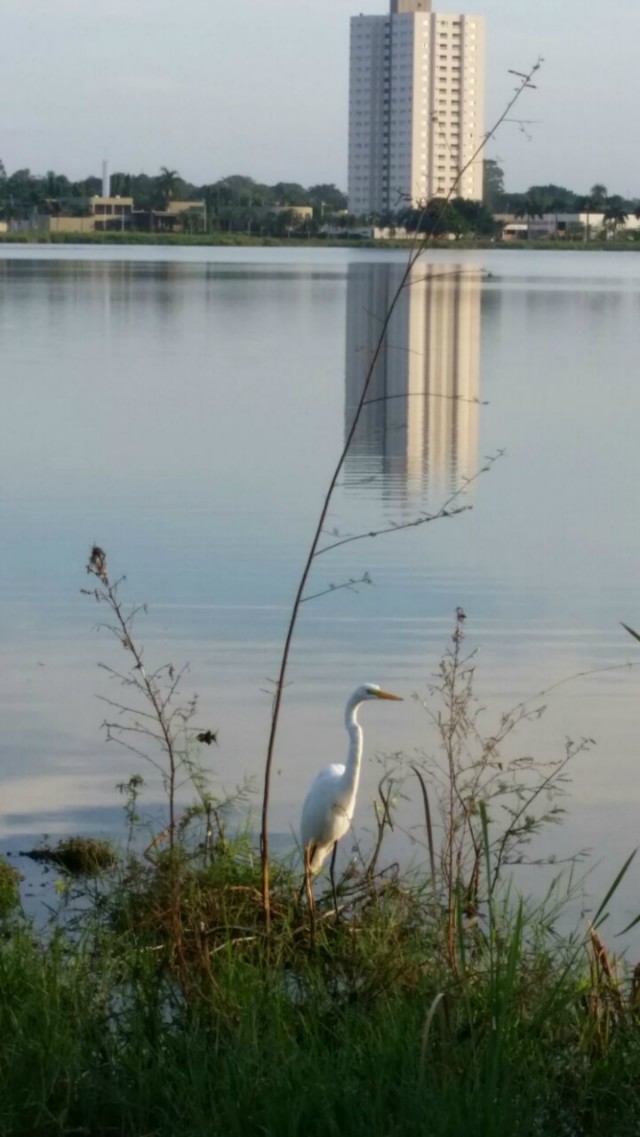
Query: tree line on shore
[(235, 203), (539, 200), (240, 204)]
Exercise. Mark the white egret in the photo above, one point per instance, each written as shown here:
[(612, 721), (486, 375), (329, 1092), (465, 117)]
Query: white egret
[(329, 806)]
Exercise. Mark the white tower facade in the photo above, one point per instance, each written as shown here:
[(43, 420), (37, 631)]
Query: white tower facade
[(416, 107)]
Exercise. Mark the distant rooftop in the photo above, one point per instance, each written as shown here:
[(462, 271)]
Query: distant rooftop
[(410, 6)]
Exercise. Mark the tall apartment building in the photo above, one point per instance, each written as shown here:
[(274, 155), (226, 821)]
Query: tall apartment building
[(416, 106)]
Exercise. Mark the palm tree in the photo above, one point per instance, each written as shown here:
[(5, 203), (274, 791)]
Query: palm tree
[(557, 205), (532, 205), (598, 195), (167, 182), (593, 202), (615, 213), (585, 205), (121, 185)]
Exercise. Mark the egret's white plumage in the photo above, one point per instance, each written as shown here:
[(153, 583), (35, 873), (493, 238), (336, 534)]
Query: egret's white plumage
[(329, 806)]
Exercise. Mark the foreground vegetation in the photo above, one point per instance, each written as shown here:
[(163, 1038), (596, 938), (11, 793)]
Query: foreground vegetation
[(432, 1001), (164, 1009)]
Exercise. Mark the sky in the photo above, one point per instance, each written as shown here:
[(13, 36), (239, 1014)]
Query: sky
[(259, 87)]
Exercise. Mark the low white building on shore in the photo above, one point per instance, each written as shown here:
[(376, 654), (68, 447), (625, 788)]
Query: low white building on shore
[(566, 225)]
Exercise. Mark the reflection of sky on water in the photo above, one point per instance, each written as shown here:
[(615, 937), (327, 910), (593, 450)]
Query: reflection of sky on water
[(183, 409)]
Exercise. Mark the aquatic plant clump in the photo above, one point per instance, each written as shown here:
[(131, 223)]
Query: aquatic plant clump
[(77, 855), (9, 888)]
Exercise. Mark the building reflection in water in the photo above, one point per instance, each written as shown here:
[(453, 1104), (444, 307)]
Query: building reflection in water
[(420, 433)]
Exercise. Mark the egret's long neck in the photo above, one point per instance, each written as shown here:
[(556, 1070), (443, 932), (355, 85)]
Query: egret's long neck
[(354, 730)]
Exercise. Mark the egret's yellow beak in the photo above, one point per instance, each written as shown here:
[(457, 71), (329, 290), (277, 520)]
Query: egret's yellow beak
[(387, 695)]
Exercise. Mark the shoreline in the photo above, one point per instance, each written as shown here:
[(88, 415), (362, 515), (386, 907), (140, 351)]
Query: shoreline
[(242, 241)]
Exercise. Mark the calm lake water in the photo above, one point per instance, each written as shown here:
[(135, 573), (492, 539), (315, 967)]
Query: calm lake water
[(183, 408)]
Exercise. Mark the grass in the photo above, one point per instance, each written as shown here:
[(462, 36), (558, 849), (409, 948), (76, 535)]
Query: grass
[(220, 239), (206, 239), (184, 1021)]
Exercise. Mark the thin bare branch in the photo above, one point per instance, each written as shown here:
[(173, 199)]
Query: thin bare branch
[(350, 585), (125, 710), (423, 519), (428, 395)]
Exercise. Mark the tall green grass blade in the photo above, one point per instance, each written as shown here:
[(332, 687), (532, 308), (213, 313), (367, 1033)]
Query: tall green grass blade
[(633, 924), (599, 918)]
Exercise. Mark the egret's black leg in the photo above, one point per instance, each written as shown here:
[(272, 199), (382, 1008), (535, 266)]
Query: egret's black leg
[(333, 877), (308, 854), (307, 857)]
